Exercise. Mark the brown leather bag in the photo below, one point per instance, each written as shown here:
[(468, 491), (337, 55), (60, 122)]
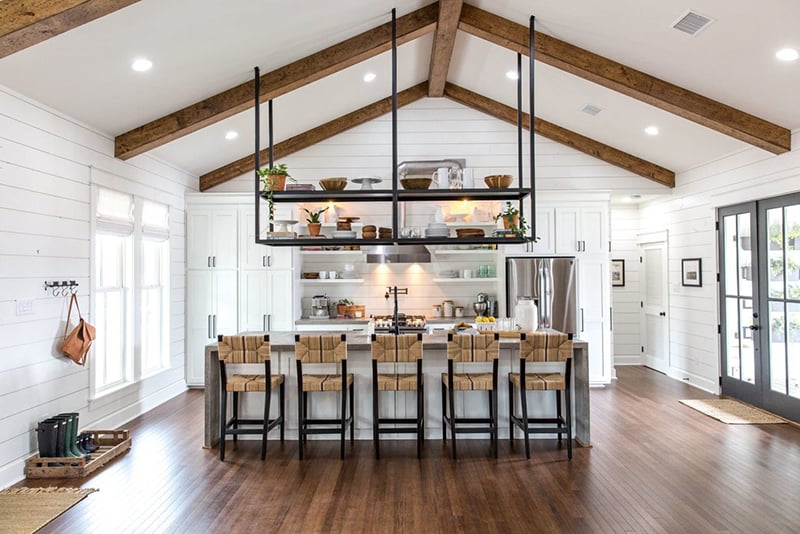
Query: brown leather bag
[(76, 344)]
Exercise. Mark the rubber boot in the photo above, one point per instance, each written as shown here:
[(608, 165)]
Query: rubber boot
[(74, 433), (87, 442), (61, 439), (47, 438), (69, 444)]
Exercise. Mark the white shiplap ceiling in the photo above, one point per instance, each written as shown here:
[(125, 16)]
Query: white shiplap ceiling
[(202, 47)]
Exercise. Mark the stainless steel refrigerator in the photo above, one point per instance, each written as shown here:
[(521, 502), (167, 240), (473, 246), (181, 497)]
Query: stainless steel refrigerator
[(555, 294)]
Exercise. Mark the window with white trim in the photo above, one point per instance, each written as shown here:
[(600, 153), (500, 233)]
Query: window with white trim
[(131, 289)]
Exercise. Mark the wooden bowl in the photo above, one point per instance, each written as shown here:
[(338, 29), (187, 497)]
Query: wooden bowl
[(498, 181), (333, 184), (470, 232), (415, 183)]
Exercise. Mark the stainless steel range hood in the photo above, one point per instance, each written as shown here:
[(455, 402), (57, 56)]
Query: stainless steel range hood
[(398, 254)]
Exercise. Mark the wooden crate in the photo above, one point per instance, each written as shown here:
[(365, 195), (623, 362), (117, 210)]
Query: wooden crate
[(112, 443)]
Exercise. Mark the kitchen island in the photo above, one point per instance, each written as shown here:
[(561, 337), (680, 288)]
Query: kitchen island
[(398, 404)]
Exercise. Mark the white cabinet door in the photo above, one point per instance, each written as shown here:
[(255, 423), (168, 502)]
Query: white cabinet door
[(593, 230), (254, 255), (254, 303), (224, 232), (211, 238), (281, 296), (211, 310), (568, 225), (593, 311), (545, 218)]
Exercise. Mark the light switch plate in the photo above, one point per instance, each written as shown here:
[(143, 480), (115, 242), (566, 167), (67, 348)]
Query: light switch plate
[(24, 307)]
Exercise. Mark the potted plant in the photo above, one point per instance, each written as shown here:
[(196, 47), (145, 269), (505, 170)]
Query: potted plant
[(342, 306), (512, 220), (314, 224), (273, 179)]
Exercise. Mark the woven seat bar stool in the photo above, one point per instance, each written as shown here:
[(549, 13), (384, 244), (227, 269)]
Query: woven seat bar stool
[(535, 347), (468, 350), (397, 349), (327, 349), (247, 350)]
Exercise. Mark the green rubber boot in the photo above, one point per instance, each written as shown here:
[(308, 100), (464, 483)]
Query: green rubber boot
[(72, 434)]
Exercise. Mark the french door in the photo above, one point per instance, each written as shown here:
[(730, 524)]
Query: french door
[(759, 247)]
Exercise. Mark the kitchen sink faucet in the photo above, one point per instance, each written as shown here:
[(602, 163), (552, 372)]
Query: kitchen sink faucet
[(394, 290)]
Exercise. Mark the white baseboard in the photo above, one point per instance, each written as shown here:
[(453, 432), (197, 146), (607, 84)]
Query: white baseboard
[(627, 360), (699, 382)]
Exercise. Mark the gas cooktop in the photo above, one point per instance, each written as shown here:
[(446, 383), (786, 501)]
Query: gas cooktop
[(405, 323)]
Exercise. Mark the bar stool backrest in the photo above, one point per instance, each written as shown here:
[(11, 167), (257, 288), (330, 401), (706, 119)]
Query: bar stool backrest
[(320, 349), (482, 347), (244, 349), (545, 346), (388, 348)]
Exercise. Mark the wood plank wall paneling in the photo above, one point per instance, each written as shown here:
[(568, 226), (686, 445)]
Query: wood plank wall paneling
[(689, 216), (439, 128), (625, 300), (47, 162)]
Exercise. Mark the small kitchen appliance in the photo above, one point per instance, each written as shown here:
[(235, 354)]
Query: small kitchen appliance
[(319, 306)]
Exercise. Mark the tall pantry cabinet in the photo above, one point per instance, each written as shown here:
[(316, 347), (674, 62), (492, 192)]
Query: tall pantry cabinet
[(233, 284)]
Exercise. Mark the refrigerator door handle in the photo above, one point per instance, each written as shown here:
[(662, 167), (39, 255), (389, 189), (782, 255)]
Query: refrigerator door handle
[(581, 319)]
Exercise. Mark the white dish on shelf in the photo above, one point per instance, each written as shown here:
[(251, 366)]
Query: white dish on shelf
[(366, 182), (344, 234), (282, 224)]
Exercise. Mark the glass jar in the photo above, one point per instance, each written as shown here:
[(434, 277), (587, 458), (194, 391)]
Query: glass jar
[(526, 314), (448, 308)]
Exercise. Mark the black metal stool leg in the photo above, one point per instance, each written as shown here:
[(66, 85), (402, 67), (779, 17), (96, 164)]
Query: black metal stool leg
[(235, 414), (525, 428), (282, 399), (223, 417), (558, 413)]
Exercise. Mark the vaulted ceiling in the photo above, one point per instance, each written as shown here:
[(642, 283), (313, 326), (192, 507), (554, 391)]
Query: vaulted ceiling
[(711, 94)]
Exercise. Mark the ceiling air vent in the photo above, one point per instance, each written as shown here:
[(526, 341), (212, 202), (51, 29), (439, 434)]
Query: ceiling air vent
[(692, 22), (591, 109)]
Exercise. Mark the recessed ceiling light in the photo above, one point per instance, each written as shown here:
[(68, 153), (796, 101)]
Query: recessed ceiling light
[(787, 54), (651, 130), (141, 64), (231, 135), (512, 75), (370, 76)]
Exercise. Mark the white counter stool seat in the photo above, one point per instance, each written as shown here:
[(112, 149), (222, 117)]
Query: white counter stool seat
[(469, 350), (390, 349), (534, 348), (247, 350), (312, 350)]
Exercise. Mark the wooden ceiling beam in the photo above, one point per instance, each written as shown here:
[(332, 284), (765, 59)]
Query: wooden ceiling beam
[(628, 81), (443, 42), (24, 23), (313, 136), (579, 142), (276, 83)]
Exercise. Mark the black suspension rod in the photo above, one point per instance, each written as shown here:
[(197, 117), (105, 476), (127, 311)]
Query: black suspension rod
[(395, 218), (257, 152), (531, 54)]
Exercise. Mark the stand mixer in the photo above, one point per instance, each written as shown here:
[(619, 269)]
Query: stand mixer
[(481, 305)]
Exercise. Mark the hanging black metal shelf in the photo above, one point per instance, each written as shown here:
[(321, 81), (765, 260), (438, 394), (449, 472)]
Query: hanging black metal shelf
[(396, 195)]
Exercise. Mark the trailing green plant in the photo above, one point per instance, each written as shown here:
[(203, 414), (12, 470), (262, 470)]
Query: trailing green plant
[(313, 216), (509, 214), (344, 302), (268, 184)]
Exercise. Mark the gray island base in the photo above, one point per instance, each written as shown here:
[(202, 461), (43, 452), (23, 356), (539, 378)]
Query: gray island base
[(398, 404)]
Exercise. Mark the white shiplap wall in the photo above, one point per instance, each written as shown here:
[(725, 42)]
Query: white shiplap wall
[(689, 216), (625, 300), (47, 165)]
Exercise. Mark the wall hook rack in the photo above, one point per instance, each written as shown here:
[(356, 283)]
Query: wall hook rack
[(62, 288)]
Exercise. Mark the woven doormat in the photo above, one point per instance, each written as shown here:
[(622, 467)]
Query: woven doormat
[(26, 510), (732, 412)]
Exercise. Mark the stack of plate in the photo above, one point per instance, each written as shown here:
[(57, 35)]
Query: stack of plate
[(436, 229), (344, 234), (348, 275), (448, 274)]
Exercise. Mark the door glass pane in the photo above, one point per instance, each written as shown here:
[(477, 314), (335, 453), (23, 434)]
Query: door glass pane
[(748, 359), (745, 256), (729, 224), (732, 336), (777, 347), (793, 338), (775, 252), (792, 251)]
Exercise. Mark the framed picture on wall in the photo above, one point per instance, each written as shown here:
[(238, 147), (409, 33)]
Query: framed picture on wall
[(618, 273), (691, 272)]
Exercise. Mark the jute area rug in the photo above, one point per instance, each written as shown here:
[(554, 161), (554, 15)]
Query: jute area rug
[(732, 412), (26, 510)]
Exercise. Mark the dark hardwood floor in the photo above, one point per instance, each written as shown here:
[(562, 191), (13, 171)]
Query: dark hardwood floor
[(656, 466)]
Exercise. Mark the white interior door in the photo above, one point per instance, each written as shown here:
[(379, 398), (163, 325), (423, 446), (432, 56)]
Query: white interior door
[(655, 326)]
